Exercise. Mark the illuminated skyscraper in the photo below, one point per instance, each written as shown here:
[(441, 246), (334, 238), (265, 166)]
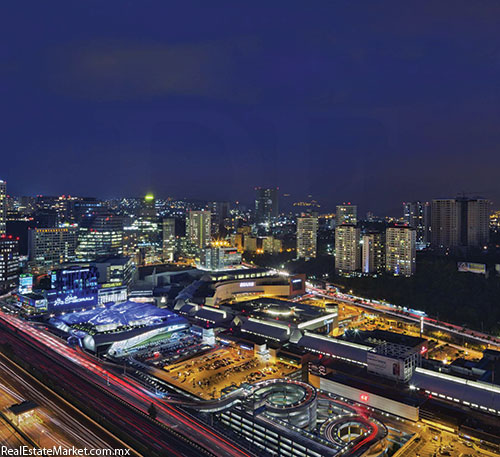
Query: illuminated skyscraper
[(307, 234), (373, 252), (104, 238), (400, 250), (266, 204), (417, 215), (220, 215), (3, 207), (9, 262), (148, 210), (347, 248), (168, 238), (49, 247), (346, 214), (199, 228)]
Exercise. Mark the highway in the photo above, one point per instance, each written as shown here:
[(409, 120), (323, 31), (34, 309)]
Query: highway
[(475, 336), (56, 426), (201, 437), (139, 427)]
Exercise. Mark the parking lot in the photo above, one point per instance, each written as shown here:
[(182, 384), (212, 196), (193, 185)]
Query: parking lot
[(208, 375)]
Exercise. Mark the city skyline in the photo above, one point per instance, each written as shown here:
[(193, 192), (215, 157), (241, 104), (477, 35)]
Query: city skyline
[(287, 201), (248, 229), (388, 104)]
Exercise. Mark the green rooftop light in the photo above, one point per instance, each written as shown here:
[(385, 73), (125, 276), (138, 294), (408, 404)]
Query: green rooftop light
[(149, 197)]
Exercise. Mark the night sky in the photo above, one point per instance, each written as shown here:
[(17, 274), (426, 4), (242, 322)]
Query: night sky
[(373, 102)]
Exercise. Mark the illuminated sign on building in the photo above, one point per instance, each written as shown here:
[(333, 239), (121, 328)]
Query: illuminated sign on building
[(364, 398), (73, 299), (73, 289), (247, 284), (25, 283)]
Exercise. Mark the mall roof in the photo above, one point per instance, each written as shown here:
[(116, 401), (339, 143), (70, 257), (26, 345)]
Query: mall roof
[(473, 392), (212, 315), (231, 275), (193, 290), (108, 338), (266, 329), (352, 352), (375, 337), (127, 313)]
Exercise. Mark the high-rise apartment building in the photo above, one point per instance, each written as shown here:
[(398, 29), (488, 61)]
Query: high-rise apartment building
[(373, 252), (307, 234), (168, 238), (346, 214), (266, 204), (475, 223), (48, 247), (460, 222), (3, 207), (199, 228), (400, 250), (271, 245), (417, 215), (9, 262), (347, 248)]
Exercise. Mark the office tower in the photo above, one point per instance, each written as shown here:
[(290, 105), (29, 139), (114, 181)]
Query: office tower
[(115, 271), (168, 239), (346, 214), (65, 208), (400, 250), (104, 238), (44, 202), (148, 210), (307, 234), (373, 252), (347, 248), (417, 215), (3, 207), (87, 207), (266, 204), (219, 258), (46, 218), (9, 262), (460, 222), (48, 247), (220, 215), (199, 228)]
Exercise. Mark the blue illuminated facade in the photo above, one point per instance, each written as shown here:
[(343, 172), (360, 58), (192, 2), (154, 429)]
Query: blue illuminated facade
[(73, 288)]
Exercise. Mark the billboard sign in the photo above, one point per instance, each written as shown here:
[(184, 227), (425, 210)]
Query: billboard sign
[(469, 267), (70, 301), (25, 283)]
